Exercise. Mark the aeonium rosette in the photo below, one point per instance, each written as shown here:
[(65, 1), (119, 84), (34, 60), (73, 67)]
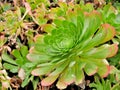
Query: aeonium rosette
[(76, 45)]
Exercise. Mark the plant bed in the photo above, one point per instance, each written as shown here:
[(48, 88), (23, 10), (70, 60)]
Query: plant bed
[(54, 45)]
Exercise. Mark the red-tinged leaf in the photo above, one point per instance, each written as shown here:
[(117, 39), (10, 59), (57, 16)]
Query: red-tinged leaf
[(71, 16), (42, 70), (90, 69), (2, 40), (31, 50), (104, 70), (61, 0), (98, 53), (113, 50), (101, 52), (105, 33), (48, 28), (113, 70), (79, 74), (110, 32), (118, 76), (5, 84), (39, 38), (28, 8), (108, 71), (61, 85), (49, 80), (34, 57), (63, 5), (88, 29), (68, 76), (60, 69)]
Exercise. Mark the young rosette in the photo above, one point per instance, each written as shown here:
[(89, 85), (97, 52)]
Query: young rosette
[(76, 46)]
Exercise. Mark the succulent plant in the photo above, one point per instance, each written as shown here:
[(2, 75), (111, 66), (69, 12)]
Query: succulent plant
[(111, 15), (73, 47), (4, 78), (19, 64), (108, 84)]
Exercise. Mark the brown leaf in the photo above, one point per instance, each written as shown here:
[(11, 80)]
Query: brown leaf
[(15, 82), (28, 8)]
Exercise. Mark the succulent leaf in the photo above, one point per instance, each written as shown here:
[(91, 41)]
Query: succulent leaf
[(90, 68), (49, 80), (76, 45), (42, 70)]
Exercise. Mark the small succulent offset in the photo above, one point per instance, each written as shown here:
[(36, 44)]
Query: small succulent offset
[(108, 84), (73, 47), (19, 64)]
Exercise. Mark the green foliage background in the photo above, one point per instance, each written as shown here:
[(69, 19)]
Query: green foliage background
[(61, 42)]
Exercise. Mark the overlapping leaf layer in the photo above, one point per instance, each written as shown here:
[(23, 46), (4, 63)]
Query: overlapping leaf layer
[(73, 46)]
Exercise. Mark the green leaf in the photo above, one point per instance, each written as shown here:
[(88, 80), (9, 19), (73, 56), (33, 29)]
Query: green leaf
[(24, 51), (104, 70), (110, 32), (48, 28), (79, 76), (8, 59), (76, 44), (17, 54), (67, 77), (88, 29), (35, 83), (61, 85), (117, 20), (101, 52), (49, 80), (38, 58), (116, 87), (29, 64), (12, 68), (27, 80), (42, 70), (90, 68), (60, 68), (6, 7), (19, 62)]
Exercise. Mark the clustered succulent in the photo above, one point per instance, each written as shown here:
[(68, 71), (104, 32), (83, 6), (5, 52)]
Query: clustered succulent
[(59, 42), (75, 46)]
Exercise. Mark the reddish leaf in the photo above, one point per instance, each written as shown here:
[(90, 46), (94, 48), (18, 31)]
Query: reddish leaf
[(104, 70), (113, 50), (61, 85), (90, 69), (42, 70), (108, 71), (49, 80), (110, 32), (39, 38)]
